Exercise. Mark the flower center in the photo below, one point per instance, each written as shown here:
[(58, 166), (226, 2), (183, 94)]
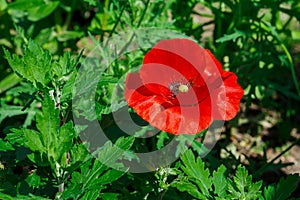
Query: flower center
[(177, 87), (183, 88)]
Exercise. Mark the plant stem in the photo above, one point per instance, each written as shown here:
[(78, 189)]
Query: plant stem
[(260, 170), (138, 25)]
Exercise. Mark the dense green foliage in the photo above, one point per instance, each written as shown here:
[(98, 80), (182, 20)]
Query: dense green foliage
[(44, 44)]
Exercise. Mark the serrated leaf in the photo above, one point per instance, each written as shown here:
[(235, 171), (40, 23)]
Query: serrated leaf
[(219, 181), (109, 177), (33, 180), (230, 37), (110, 154), (94, 175), (242, 186), (285, 187), (33, 66), (269, 192), (33, 140), (187, 186), (161, 139), (4, 146), (91, 194), (16, 137), (10, 111), (64, 140), (197, 171), (48, 124)]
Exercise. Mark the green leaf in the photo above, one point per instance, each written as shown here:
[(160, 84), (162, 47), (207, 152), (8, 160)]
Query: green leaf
[(109, 177), (197, 172), (269, 192), (219, 181), (4, 146), (95, 175), (109, 196), (33, 180), (184, 185), (36, 9), (91, 194), (9, 81), (161, 139), (33, 140), (69, 35), (230, 37), (6, 196), (16, 137), (10, 111), (24, 4), (48, 124), (21, 197), (285, 187), (33, 66), (110, 154), (91, 2), (64, 140), (242, 186), (39, 12)]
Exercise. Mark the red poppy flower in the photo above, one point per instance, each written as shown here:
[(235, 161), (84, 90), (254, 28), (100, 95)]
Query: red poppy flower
[(181, 88)]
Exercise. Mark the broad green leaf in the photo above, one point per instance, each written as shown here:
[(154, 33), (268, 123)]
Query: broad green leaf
[(219, 181), (39, 12), (4, 146), (36, 9), (197, 172), (33, 66), (24, 4), (48, 124)]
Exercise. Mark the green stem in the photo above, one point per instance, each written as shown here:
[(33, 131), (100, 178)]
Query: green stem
[(292, 67), (265, 166), (138, 25), (115, 26), (69, 17)]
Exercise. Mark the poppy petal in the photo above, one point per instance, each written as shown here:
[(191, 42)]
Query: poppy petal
[(227, 97)]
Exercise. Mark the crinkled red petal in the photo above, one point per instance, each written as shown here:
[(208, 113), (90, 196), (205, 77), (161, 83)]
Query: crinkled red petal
[(227, 97)]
